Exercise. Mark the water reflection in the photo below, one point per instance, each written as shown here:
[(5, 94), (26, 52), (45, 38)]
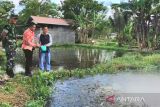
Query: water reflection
[(71, 58)]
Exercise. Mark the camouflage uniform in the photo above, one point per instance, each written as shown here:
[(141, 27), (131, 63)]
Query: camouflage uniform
[(9, 43)]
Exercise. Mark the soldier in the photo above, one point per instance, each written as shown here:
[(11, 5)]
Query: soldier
[(9, 43)]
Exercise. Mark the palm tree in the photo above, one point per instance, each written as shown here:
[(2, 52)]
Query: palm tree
[(118, 22), (141, 11)]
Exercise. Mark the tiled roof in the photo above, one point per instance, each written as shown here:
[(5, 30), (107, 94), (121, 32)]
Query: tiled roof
[(52, 21)]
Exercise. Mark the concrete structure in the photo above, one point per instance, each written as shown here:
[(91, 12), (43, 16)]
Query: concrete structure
[(61, 30)]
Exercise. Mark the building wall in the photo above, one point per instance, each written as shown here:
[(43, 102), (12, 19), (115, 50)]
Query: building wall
[(61, 34)]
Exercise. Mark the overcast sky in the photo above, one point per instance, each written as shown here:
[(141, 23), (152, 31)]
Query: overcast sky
[(58, 1), (106, 2)]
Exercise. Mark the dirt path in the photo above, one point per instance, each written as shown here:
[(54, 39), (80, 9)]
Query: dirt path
[(17, 98)]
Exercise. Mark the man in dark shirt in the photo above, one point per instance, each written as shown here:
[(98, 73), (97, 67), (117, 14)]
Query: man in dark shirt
[(45, 40)]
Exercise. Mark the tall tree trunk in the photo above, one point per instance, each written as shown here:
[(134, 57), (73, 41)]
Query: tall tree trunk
[(138, 32), (143, 35), (155, 32)]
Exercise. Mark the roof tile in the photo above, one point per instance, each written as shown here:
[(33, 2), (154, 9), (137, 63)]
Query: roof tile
[(52, 21)]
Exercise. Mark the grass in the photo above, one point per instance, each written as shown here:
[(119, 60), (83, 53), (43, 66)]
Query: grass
[(13, 94), (96, 46), (99, 44), (2, 61), (5, 105), (135, 61), (33, 92)]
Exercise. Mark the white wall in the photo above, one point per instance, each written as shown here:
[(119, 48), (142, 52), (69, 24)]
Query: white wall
[(61, 35)]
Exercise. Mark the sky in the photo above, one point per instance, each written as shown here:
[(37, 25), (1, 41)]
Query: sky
[(106, 2)]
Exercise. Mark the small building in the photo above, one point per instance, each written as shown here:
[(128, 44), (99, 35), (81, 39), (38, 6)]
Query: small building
[(60, 29)]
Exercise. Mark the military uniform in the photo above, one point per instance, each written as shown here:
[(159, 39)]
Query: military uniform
[(9, 43)]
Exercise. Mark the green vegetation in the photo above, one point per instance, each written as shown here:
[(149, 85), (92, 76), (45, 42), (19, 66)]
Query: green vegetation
[(5, 8), (5, 105), (89, 17), (2, 61), (135, 61), (100, 44), (137, 21), (135, 24), (94, 46)]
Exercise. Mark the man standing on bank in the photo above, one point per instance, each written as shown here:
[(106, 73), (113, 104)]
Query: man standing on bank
[(9, 44), (28, 46), (45, 39)]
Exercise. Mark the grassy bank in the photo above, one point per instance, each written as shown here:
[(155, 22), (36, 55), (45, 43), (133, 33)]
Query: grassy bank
[(96, 46)]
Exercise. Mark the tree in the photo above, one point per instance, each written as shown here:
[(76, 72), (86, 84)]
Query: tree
[(5, 9), (145, 15), (155, 23), (86, 13), (118, 22), (37, 8), (129, 33)]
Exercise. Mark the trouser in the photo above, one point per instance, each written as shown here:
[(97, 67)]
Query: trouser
[(10, 54), (45, 59), (29, 59)]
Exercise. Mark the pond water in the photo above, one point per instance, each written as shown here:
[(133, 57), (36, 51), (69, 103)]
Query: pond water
[(127, 89), (70, 58)]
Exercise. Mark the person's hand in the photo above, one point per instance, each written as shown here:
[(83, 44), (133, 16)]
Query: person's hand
[(38, 45)]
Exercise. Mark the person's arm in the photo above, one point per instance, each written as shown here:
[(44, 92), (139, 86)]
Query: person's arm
[(38, 38), (50, 41)]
